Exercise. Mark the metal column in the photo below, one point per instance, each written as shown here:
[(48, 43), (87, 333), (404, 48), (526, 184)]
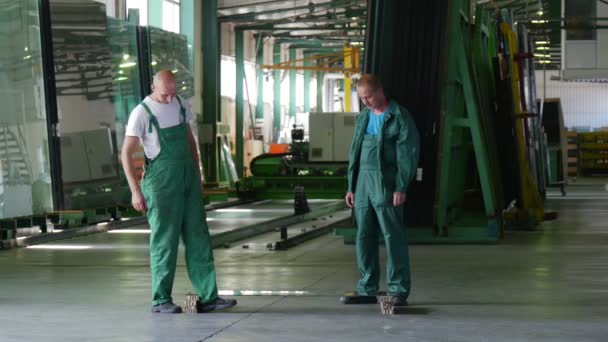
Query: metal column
[(276, 122), (307, 83), (319, 91), (292, 85), (259, 109), (240, 75), (211, 90)]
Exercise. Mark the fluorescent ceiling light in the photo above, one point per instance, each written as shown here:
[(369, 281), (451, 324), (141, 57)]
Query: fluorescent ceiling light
[(127, 65), (542, 42)]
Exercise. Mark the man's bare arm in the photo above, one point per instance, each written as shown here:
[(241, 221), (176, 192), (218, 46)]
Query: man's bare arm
[(128, 148)]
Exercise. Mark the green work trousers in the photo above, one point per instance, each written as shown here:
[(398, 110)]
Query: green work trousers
[(375, 213)]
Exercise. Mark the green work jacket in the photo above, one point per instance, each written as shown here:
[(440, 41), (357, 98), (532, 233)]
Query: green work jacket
[(398, 146)]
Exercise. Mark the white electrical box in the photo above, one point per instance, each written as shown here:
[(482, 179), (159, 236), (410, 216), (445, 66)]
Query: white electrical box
[(344, 128), (330, 136)]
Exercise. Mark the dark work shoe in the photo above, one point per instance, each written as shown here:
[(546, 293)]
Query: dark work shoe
[(166, 307), (216, 304), (399, 301)]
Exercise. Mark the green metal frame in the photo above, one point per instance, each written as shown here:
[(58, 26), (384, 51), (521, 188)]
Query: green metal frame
[(462, 128)]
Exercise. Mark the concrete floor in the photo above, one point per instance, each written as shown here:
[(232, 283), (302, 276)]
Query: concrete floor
[(545, 285)]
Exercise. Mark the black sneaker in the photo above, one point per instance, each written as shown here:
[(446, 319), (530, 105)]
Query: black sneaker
[(166, 307), (399, 301), (216, 304)]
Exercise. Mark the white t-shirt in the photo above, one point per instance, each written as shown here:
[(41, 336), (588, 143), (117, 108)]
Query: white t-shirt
[(167, 115)]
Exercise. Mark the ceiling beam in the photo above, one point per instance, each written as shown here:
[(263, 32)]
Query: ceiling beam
[(311, 7)]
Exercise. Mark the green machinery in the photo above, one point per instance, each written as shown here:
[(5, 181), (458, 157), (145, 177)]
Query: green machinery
[(275, 176)]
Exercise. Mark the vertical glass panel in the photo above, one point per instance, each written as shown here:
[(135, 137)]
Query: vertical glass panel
[(25, 185), (127, 92), (169, 51), (85, 94)]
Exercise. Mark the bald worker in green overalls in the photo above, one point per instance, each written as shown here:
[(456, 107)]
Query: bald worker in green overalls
[(170, 194), (382, 162)]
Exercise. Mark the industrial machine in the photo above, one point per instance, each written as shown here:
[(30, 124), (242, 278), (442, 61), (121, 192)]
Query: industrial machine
[(319, 164)]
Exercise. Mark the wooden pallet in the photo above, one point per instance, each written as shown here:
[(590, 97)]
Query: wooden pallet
[(572, 151)]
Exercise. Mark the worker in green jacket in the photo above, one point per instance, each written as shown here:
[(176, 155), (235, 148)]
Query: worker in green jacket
[(382, 162)]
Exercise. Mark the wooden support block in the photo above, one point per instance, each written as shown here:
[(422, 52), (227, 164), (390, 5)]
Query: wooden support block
[(190, 303), (386, 305)]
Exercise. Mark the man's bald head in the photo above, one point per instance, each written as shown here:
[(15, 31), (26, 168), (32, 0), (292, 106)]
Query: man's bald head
[(164, 86)]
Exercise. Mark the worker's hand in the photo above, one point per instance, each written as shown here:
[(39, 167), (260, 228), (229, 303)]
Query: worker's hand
[(350, 199), (138, 202), (398, 198)]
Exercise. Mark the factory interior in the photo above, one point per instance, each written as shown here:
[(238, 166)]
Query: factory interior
[(503, 215)]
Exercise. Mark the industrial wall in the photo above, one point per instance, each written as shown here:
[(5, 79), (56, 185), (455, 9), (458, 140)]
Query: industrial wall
[(585, 104)]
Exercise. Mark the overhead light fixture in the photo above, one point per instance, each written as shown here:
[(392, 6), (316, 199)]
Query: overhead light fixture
[(26, 48), (543, 48), (184, 88), (542, 42), (27, 57), (127, 65), (539, 21), (175, 71), (121, 78), (125, 56), (538, 55), (540, 12), (544, 61), (154, 63)]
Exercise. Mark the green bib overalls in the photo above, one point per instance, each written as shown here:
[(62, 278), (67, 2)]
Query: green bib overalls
[(172, 190)]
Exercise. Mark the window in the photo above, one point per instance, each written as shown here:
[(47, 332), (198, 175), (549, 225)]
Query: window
[(580, 16), (142, 6), (171, 15)]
